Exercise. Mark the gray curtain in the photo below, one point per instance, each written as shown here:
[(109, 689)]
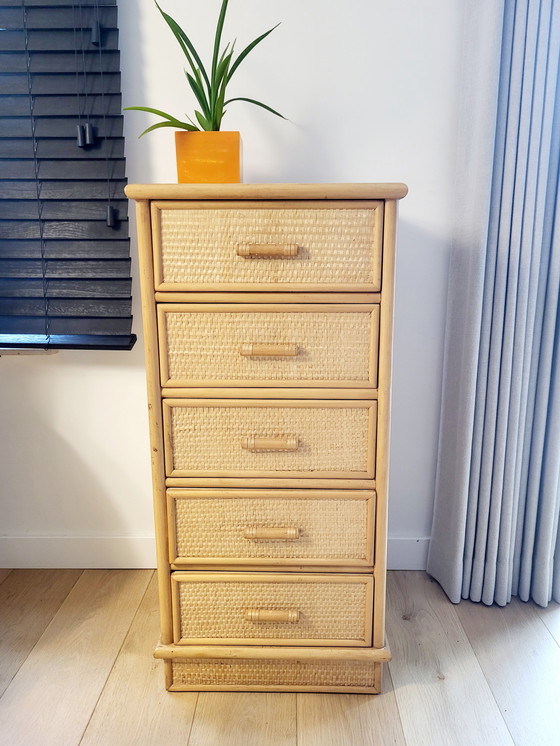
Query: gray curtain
[(495, 531)]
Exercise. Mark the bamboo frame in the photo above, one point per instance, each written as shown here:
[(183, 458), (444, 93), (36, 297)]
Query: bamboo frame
[(241, 652), (226, 296), (276, 688), (384, 420), (324, 565), (268, 393), (189, 192), (277, 483), (155, 420)]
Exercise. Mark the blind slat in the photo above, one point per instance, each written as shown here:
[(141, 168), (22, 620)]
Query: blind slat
[(62, 190), (58, 210), (78, 16), (64, 249), (64, 149), (51, 106), (25, 169), (71, 83), (58, 127), (69, 342), (118, 308), (60, 62), (71, 269), (44, 41), (61, 325), (62, 229), (82, 288), (50, 3)]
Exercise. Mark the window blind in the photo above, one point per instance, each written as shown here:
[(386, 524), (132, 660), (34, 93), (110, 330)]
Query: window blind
[(64, 241)]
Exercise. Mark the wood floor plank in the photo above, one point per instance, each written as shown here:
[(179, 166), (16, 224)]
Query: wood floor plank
[(29, 599), (358, 719), (134, 707), (551, 617), (4, 574), (521, 662), (53, 695), (244, 719), (442, 695)]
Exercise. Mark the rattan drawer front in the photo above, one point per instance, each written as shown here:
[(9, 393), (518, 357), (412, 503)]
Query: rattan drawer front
[(290, 345), (273, 675), (244, 608), (248, 245), (269, 438), (268, 527)]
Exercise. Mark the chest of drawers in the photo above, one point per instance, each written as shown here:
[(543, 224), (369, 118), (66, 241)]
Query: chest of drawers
[(267, 313)]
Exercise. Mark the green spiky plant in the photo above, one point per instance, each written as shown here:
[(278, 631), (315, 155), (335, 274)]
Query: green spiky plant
[(209, 89)]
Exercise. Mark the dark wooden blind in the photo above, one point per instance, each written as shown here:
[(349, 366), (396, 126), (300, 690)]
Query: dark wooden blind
[(64, 245)]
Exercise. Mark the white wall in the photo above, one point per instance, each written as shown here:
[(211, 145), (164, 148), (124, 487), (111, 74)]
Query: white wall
[(370, 88)]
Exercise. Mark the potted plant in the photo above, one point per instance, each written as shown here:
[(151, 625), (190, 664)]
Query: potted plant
[(204, 152)]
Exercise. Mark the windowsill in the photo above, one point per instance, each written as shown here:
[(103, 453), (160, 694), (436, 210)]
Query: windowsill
[(23, 351)]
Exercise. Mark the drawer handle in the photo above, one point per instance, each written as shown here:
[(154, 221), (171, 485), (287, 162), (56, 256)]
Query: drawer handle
[(271, 533), (272, 615), (255, 349), (283, 443), (249, 250)]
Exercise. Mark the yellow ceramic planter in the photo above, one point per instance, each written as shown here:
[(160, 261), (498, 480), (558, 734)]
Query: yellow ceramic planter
[(208, 157)]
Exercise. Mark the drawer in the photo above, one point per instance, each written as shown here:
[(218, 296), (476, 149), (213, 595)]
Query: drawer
[(271, 527), (297, 245), (269, 438), (268, 345), (257, 608), (273, 674)]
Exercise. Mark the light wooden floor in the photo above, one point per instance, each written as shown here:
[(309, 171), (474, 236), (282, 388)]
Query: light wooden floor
[(76, 668)]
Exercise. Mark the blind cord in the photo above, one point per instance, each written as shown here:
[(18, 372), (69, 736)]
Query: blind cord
[(37, 181), (112, 217)]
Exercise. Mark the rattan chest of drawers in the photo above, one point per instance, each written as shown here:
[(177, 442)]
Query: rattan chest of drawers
[(267, 314)]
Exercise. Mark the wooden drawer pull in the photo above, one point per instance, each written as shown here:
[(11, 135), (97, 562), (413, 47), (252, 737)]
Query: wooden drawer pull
[(255, 349), (284, 443), (249, 250), (271, 533), (272, 615)]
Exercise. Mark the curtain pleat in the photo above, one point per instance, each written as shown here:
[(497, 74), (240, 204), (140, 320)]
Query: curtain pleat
[(504, 507)]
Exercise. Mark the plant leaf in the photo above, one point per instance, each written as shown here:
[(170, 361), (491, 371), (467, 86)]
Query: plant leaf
[(221, 78), (171, 121), (204, 123), (199, 93), (223, 67), (185, 44), (225, 51), (176, 125), (152, 111), (257, 103), (247, 49), (217, 40)]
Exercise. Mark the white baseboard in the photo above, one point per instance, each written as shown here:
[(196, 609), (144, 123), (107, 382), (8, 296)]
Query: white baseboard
[(87, 552), (405, 553), (121, 552)]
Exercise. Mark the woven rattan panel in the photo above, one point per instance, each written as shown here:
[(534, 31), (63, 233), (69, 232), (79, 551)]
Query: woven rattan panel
[(328, 528), (336, 245), (331, 439), (327, 611), (206, 346), (289, 673)]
